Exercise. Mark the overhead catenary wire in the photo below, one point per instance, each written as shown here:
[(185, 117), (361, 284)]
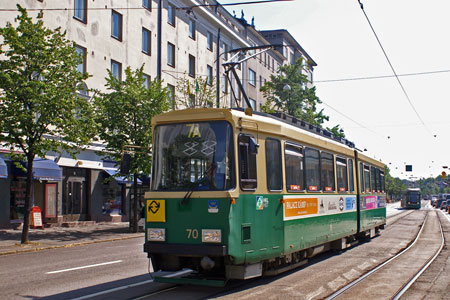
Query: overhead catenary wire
[(381, 76), (392, 68), (142, 7)]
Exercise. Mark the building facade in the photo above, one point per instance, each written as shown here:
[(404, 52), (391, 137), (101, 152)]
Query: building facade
[(181, 40)]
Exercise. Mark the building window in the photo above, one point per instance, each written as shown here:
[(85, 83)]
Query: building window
[(82, 52), (171, 54), (224, 84), (225, 51), (192, 29), (273, 165), (210, 75), (146, 41), (191, 65), (116, 25), (147, 4), (209, 38), (252, 77), (80, 10), (116, 69), (171, 90), (146, 82), (171, 13)]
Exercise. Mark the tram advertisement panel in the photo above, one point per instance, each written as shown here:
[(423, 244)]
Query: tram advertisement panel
[(299, 207)]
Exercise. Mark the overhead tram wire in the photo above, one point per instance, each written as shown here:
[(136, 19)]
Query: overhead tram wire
[(380, 77), (393, 70), (188, 8)]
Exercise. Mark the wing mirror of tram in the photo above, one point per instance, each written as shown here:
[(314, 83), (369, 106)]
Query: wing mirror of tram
[(253, 146), (125, 164)]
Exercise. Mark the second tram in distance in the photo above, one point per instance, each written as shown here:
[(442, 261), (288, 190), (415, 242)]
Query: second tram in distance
[(235, 196), (411, 198)]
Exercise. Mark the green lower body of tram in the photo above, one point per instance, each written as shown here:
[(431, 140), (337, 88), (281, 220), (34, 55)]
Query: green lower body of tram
[(253, 235)]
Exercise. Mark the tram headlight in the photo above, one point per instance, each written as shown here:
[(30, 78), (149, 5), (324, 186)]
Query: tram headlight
[(211, 236), (156, 234)]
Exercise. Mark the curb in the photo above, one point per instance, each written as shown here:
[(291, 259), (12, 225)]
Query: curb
[(18, 251)]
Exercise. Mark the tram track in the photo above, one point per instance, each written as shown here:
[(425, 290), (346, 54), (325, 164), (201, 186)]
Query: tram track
[(408, 259)]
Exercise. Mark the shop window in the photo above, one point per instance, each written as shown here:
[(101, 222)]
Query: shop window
[(341, 173), (248, 149), (327, 172), (273, 165), (312, 169), (293, 156)]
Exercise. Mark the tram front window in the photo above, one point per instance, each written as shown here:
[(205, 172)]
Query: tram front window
[(193, 156)]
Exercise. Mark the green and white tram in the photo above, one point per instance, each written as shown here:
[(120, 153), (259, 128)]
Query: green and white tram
[(235, 196)]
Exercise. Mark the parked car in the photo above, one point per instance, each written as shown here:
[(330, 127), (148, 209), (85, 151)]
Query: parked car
[(444, 205)]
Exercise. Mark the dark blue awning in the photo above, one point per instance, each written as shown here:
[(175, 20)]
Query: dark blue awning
[(43, 169), (121, 179), (3, 169)]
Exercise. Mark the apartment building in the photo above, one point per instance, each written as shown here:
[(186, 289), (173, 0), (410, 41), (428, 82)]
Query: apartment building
[(177, 40)]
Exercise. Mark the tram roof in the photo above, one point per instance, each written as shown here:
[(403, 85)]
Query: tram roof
[(274, 123)]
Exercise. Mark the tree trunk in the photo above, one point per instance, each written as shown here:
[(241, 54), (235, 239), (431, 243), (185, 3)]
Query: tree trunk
[(26, 217), (136, 213)]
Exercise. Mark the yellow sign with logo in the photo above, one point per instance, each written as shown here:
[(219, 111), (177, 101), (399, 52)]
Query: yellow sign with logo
[(156, 211), (297, 207)]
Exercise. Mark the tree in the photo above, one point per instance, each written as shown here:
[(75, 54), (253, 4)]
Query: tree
[(394, 186), (198, 93), (288, 92), (40, 110), (124, 116)]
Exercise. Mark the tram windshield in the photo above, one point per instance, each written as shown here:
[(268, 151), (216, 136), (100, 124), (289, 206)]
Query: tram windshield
[(193, 156)]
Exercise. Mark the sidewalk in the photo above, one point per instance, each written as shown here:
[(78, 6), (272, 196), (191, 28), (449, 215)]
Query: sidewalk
[(59, 237)]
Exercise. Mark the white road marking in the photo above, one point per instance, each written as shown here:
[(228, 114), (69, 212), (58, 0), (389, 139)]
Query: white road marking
[(85, 267), (182, 272)]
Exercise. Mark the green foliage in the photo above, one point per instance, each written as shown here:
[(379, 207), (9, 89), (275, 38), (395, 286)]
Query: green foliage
[(298, 101), (395, 187), (125, 116), (195, 93), (337, 131), (39, 107), (40, 110)]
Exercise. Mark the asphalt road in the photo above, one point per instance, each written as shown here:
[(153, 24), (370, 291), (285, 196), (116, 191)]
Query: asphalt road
[(73, 272)]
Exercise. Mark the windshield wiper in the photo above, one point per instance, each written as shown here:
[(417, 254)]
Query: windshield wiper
[(195, 185)]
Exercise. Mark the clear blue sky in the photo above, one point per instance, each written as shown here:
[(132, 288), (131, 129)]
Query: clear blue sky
[(378, 115)]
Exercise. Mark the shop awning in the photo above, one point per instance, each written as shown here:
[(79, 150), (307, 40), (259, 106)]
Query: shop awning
[(120, 179), (3, 169), (43, 169)]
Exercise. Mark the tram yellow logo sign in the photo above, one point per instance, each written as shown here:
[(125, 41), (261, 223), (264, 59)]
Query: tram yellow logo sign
[(156, 211)]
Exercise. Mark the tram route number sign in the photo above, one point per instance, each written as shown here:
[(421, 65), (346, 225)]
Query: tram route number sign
[(156, 211)]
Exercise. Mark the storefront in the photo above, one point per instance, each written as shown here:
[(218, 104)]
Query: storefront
[(47, 176)]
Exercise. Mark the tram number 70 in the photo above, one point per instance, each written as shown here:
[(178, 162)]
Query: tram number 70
[(192, 234)]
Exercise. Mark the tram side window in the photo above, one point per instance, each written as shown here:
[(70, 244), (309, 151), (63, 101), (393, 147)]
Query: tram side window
[(377, 180), (327, 172), (361, 178), (247, 161), (341, 173), (293, 155), (351, 175), (373, 178), (273, 165), (383, 183), (367, 179), (312, 169)]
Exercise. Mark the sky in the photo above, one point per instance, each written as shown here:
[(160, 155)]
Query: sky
[(376, 114)]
